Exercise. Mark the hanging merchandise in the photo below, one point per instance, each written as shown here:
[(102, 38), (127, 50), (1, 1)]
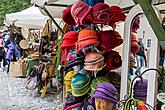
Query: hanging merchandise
[(68, 42), (134, 44), (112, 60), (80, 85), (105, 96), (67, 17), (87, 37), (109, 40), (81, 13), (94, 61), (73, 59)]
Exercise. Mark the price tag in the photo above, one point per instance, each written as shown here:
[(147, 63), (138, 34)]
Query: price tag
[(161, 97)]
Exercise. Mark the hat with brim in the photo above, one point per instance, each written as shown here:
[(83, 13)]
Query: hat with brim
[(24, 44), (106, 91)]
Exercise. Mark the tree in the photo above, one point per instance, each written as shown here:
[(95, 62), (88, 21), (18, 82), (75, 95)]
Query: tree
[(11, 6)]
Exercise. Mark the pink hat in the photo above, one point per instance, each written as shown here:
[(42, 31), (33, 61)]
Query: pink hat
[(112, 60), (101, 14), (109, 40), (80, 12), (67, 17)]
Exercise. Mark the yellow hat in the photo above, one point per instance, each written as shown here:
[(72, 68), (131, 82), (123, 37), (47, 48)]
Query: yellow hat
[(24, 44), (69, 75)]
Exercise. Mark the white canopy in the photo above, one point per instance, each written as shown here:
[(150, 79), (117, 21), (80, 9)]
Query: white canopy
[(29, 18)]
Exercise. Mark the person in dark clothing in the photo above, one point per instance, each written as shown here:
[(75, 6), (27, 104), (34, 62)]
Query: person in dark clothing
[(140, 55)]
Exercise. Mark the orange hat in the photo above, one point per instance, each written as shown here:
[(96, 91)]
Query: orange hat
[(134, 44), (87, 37)]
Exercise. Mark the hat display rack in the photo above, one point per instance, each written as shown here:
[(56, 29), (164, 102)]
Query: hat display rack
[(88, 56), (130, 102)]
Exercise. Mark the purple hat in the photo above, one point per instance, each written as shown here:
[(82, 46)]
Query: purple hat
[(140, 85), (107, 92)]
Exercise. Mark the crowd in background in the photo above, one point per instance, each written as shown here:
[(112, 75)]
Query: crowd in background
[(9, 47)]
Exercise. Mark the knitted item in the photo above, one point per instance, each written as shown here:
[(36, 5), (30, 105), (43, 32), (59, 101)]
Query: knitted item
[(80, 12), (87, 37)]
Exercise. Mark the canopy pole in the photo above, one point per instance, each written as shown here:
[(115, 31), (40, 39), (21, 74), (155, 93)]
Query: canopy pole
[(47, 12)]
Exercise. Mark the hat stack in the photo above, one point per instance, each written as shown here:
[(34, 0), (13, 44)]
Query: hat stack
[(134, 44), (67, 82), (96, 82), (106, 91), (80, 11), (68, 42), (73, 59), (94, 61), (87, 37), (112, 60), (80, 85), (140, 89)]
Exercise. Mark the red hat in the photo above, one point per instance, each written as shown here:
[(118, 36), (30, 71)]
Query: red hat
[(134, 44), (80, 11), (87, 37), (69, 39), (68, 42), (109, 40), (67, 17), (112, 60), (118, 14), (101, 14)]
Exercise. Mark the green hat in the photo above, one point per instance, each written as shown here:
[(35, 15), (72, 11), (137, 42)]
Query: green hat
[(96, 82), (68, 77), (80, 85)]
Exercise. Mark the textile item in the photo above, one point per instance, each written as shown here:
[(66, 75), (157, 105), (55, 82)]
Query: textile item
[(68, 42), (69, 39), (87, 37), (101, 14), (96, 82), (80, 85), (87, 49), (68, 77), (68, 89), (80, 11), (76, 106), (94, 61), (140, 89), (109, 40), (106, 91), (73, 59), (134, 44), (141, 105), (136, 22), (67, 17), (118, 14), (93, 2), (112, 60), (88, 105), (132, 60)]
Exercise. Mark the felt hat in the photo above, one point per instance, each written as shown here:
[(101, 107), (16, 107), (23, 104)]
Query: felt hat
[(134, 44), (74, 59), (107, 92), (96, 82), (67, 17), (136, 22), (68, 77), (94, 61), (69, 39), (87, 37), (80, 11), (109, 40), (68, 89), (80, 85), (118, 14), (76, 106), (101, 14), (24, 44), (112, 60), (87, 49), (68, 42)]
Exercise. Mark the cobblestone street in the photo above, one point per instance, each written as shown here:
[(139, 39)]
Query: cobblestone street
[(15, 96)]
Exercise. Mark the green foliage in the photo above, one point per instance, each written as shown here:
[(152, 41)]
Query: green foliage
[(11, 6)]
